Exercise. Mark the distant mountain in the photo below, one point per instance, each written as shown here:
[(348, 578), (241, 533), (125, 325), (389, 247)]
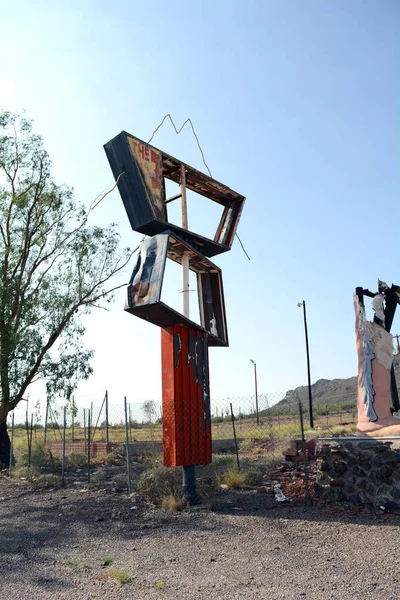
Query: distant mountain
[(328, 391)]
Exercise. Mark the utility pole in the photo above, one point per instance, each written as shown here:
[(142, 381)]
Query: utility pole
[(310, 407)]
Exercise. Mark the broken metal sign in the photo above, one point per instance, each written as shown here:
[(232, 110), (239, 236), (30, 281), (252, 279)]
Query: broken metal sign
[(140, 171)]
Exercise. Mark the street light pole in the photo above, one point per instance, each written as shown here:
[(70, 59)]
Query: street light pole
[(256, 391), (310, 407)]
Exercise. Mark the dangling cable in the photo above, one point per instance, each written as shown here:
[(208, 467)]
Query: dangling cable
[(178, 132)]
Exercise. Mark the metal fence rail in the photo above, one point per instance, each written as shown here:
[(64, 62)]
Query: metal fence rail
[(274, 423)]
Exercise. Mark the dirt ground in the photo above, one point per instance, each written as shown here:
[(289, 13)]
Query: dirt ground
[(53, 544)]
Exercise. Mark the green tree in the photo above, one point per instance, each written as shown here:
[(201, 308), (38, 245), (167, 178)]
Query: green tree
[(54, 268), (149, 409)]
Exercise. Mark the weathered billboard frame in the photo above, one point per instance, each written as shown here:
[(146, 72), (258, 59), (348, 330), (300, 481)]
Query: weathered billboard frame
[(145, 287), (140, 170)]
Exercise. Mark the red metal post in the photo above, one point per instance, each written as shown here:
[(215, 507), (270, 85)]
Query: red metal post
[(186, 398)]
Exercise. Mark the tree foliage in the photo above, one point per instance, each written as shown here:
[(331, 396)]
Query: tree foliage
[(54, 267)]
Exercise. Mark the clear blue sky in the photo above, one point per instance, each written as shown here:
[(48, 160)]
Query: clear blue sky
[(296, 105)]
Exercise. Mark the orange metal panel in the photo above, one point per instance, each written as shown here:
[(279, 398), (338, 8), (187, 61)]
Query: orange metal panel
[(169, 422), (186, 400)]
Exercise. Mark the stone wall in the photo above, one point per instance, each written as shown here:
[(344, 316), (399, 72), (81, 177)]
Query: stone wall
[(359, 471)]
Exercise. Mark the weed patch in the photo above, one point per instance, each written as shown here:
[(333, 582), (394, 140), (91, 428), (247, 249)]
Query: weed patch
[(172, 503), (117, 575), (47, 481), (160, 482), (77, 563), (233, 479)]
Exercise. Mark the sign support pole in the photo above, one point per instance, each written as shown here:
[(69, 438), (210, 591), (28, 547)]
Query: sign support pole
[(189, 476)]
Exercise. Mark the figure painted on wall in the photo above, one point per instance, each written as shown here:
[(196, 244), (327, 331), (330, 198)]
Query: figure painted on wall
[(375, 357)]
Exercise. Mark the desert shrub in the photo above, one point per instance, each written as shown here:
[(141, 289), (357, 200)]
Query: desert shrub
[(246, 445), (117, 575), (222, 460), (77, 563), (99, 477), (262, 464), (108, 459), (75, 460), (24, 472), (172, 503), (47, 481), (253, 476), (151, 458), (207, 489), (40, 457), (120, 481), (233, 479), (159, 482)]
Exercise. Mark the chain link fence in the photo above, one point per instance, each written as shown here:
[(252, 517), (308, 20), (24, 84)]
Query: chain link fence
[(264, 418)]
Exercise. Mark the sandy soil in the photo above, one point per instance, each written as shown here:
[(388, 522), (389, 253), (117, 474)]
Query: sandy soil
[(53, 544)]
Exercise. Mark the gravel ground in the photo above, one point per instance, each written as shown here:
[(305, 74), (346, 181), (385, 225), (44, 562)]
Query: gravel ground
[(53, 544)]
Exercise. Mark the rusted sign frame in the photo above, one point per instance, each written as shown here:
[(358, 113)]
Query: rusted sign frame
[(142, 169), (145, 287)]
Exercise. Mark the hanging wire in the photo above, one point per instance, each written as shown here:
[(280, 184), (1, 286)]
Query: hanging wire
[(201, 151), (178, 132), (106, 194), (243, 248)]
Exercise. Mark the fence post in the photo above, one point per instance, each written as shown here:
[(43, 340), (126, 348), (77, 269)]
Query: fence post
[(73, 420), (11, 445), (130, 423), (30, 442), (84, 431), (63, 448), (27, 433), (46, 418), (128, 467), (107, 417), (88, 446), (234, 435)]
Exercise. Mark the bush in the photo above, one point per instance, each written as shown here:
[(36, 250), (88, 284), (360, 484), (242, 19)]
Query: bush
[(172, 503), (222, 460), (75, 460), (47, 481), (233, 479), (108, 459), (160, 482), (40, 457), (120, 481), (207, 489), (99, 477), (23, 472), (253, 476)]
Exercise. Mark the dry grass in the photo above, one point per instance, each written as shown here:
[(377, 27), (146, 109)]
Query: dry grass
[(159, 482), (77, 563), (172, 503), (233, 479), (118, 575), (160, 585)]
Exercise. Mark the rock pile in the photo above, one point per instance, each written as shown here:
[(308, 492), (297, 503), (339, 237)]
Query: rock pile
[(359, 471)]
